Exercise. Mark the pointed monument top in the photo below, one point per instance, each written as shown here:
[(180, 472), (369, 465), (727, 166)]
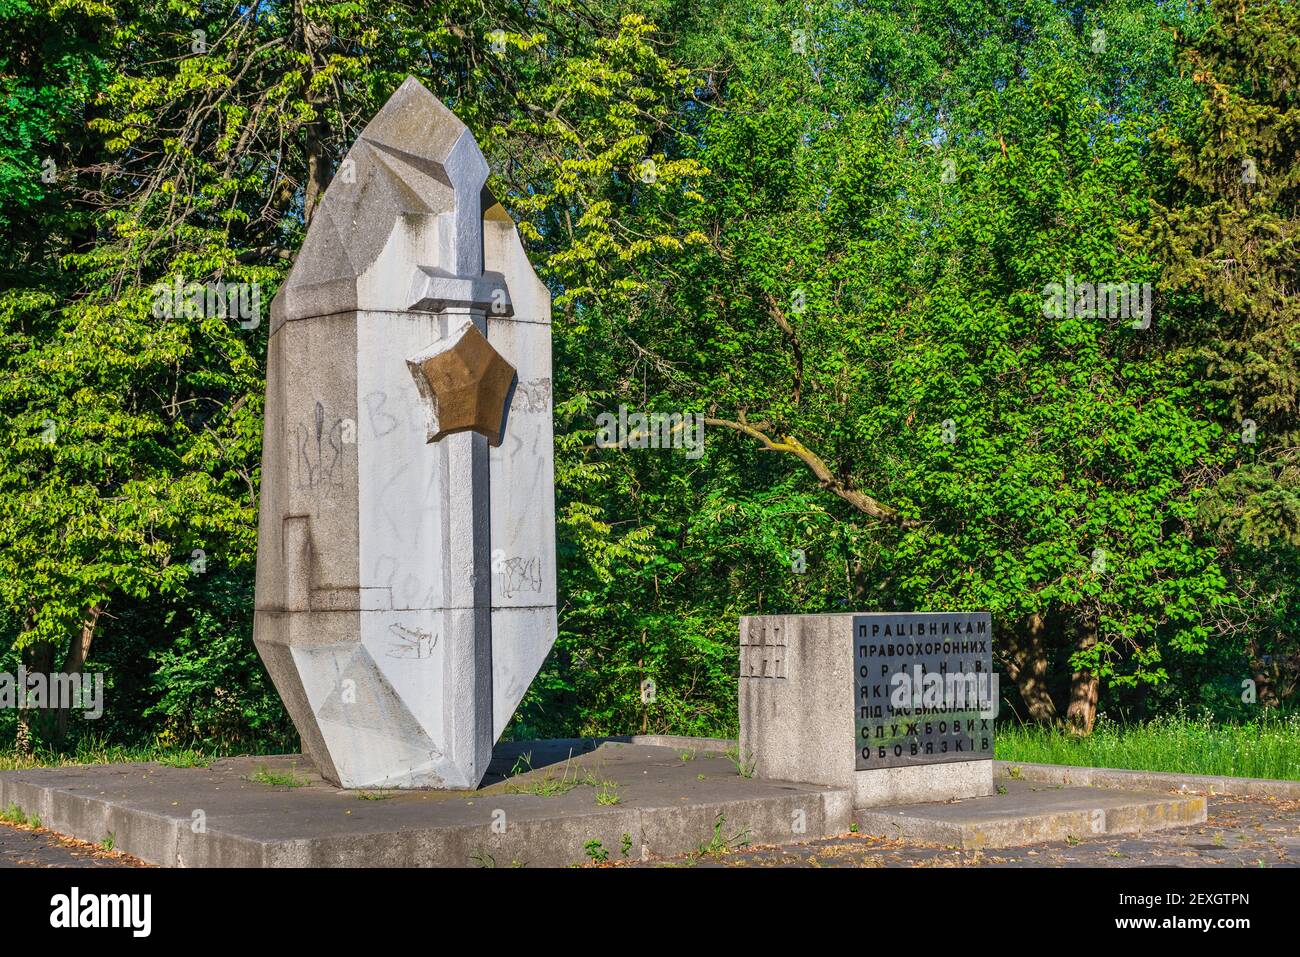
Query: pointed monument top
[(415, 165)]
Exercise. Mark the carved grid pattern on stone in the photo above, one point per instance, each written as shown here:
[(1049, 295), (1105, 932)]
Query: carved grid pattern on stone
[(762, 655)]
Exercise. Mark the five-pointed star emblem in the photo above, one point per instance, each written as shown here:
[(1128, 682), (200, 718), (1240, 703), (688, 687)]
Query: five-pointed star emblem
[(465, 384)]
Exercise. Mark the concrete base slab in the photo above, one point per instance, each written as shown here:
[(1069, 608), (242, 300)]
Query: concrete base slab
[(1150, 780), (1026, 813), (550, 803), (919, 783)]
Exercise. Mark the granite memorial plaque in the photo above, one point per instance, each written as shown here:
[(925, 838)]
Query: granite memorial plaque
[(924, 688)]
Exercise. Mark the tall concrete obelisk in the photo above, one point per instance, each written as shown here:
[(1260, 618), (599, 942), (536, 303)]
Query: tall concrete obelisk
[(406, 538)]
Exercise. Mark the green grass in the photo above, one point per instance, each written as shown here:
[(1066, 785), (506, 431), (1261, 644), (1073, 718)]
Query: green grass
[(277, 779), (719, 843), (548, 785), (186, 758), (13, 814), (607, 794), (94, 750), (1267, 748), (523, 764), (86, 752), (744, 764)]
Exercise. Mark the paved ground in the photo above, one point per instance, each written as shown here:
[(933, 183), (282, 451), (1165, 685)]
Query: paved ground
[(24, 847), (1263, 832)]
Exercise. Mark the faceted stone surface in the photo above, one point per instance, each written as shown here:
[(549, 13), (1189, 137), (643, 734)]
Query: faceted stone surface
[(406, 575)]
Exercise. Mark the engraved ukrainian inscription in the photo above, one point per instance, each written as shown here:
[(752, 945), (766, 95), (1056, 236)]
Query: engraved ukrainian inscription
[(925, 692)]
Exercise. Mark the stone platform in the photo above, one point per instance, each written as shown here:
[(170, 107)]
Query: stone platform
[(1026, 813), (543, 803)]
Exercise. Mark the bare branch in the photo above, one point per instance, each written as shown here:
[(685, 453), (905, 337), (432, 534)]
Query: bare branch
[(789, 444)]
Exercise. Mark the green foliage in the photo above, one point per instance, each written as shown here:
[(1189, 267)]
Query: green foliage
[(194, 147), (207, 683), (852, 303), (827, 228)]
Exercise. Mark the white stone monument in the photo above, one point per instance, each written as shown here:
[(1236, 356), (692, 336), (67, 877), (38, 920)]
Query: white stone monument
[(406, 538)]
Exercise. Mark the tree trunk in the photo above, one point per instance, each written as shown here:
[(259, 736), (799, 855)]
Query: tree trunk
[(1261, 674), (859, 584), (1026, 664), (23, 735), (37, 659), (310, 38), (1081, 715), (74, 663)]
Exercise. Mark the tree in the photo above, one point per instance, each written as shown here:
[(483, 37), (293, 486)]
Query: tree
[(1229, 233), (865, 331)]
